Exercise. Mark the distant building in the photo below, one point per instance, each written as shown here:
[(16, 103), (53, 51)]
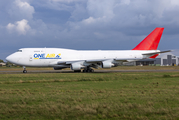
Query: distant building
[(166, 59), (145, 62), (2, 64)]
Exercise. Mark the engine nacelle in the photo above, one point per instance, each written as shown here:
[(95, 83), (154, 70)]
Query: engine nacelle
[(58, 68), (107, 64), (76, 66)]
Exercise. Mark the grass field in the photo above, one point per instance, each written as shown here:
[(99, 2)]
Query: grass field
[(4, 68), (126, 95)]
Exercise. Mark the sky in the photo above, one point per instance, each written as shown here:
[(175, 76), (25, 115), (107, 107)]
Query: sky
[(86, 24)]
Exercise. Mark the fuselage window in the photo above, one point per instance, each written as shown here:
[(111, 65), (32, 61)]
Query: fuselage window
[(19, 51)]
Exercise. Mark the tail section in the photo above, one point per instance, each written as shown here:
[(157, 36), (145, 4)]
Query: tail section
[(151, 41)]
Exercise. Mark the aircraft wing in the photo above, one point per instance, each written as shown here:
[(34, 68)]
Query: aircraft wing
[(67, 62), (93, 61), (87, 61), (97, 61), (117, 59)]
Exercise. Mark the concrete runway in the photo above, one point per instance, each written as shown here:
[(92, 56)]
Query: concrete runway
[(96, 71)]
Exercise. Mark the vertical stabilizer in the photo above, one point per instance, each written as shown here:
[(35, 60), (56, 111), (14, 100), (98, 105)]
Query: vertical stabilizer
[(151, 41)]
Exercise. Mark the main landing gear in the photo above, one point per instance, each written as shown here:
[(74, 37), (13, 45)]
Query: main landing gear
[(24, 71), (88, 70), (77, 70)]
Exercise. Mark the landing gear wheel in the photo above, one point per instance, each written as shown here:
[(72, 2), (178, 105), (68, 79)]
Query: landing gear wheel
[(88, 70), (91, 70), (77, 70), (24, 71)]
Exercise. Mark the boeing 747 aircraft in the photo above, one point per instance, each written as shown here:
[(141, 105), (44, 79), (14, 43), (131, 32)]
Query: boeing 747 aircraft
[(85, 60)]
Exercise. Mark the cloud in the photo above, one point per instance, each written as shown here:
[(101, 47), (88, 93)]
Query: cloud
[(127, 2), (66, 1), (21, 10), (98, 8), (122, 15), (10, 27), (79, 12), (21, 27), (89, 20), (175, 2), (87, 24)]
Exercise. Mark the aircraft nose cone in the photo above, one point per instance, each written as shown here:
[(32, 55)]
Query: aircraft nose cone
[(9, 58)]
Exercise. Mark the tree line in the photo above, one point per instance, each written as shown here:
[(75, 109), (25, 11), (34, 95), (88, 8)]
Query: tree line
[(1, 60), (8, 64)]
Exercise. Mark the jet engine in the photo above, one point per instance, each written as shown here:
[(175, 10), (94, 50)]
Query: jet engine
[(58, 68), (76, 66), (107, 64)]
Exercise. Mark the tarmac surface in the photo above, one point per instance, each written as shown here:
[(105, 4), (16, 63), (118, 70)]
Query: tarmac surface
[(96, 71)]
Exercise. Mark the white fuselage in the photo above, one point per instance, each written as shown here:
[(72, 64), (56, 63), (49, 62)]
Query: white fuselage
[(45, 57)]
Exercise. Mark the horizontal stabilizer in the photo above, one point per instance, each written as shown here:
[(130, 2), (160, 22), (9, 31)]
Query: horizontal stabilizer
[(154, 54), (157, 52)]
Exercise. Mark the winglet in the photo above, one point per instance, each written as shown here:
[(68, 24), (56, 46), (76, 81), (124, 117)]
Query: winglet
[(151, 41)]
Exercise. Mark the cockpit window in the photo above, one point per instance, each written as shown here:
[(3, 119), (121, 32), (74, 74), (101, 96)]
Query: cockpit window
[(19, 50)]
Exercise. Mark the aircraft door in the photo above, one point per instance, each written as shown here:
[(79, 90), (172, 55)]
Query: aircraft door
[(30, 58)]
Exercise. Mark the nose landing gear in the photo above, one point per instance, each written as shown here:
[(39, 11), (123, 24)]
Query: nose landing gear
[(24, 71)]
